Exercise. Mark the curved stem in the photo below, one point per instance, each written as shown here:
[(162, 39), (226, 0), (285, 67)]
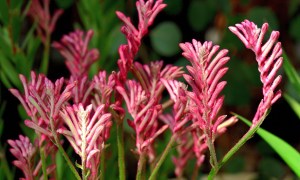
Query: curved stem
[(63, 152), (121, 159), (141, 163), (162, 158), (236, 147)]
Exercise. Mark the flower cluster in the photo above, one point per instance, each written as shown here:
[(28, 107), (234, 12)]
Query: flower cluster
[(43, 100), (81, 109)]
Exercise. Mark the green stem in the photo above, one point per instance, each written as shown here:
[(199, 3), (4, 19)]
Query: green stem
[(102, 165), (45, 60), (44, 164), (140, 169), (235, 148), (63, 152), (163, 157), (121, 156), (4, 165), (212, 151)]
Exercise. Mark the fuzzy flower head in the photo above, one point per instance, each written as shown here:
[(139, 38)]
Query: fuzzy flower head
[(103, 88), (40, 12), (147, 12), (144, 111), (268, 57), (42, 100), (24, 151), (74, 48), (86, 132), (205, 74), (180, 115)]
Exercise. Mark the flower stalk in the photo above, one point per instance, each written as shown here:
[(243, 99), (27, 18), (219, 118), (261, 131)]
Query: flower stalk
[(163, 157), (121, 154)]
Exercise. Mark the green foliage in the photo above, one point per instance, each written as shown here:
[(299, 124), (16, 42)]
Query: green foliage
[(100, 16), (165, 38), (294, 29), (290, 155), (295, 105), (17, 53), (200, 14)]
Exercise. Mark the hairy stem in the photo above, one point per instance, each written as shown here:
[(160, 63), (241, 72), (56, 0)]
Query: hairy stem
[(142, 160), (102, 165), (163, 157), (121, 156), (212, 152), (63, 152), (235, 148)]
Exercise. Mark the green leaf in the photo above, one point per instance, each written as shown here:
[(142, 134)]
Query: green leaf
[(294, 29), (5, 46), (290, 155), (165, 38), (200, 14), (293, 103), (4, 80), (9, 71), (4, 12), (291, 72), (260, 15)]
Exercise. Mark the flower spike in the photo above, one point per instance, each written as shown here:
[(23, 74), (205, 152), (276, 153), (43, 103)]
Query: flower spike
[(42, 100), (86, 133), (268, 57), (74, 48), (24, 151), (147, 12), (40, 12), (205, 73)]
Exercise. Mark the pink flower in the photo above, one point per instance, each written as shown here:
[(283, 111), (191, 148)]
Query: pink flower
[(181, 116), (41, 13), (74, 48), (268, 57), (147, 12), (103, 88), (144, 111), (86, 133), (205, 73), (185, 153), (24, 151), (42, 100)]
